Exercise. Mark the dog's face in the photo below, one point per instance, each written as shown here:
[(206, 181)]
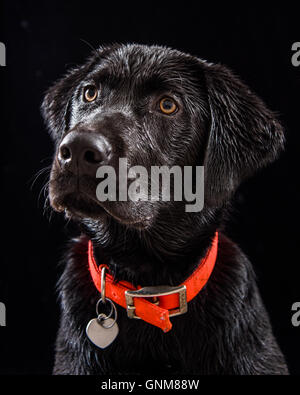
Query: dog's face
[(153, 106)]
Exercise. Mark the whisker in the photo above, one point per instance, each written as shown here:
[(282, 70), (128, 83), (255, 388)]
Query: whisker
[(35, 177), (44, 191)]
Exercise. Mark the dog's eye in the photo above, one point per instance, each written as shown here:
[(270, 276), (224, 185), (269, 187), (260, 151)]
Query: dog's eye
[(90, 93), (168, 106)]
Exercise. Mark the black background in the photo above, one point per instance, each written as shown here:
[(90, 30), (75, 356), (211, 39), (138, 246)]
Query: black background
[(43, 40)]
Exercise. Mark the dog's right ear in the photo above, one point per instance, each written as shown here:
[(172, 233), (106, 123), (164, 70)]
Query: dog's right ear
[(244, 134), (56, 102)]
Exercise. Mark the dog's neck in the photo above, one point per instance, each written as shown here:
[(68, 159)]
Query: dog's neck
[(152, 257)]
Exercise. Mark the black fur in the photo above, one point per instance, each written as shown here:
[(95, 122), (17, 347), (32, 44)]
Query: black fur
[(220, 124)]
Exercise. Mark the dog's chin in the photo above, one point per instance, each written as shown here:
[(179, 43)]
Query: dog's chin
[(80, 206)]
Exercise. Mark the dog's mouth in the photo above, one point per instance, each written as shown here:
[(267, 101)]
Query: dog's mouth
[(77, 204), (76, 197)]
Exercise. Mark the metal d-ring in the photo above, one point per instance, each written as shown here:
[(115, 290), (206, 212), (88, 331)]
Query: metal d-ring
[(103, 317)]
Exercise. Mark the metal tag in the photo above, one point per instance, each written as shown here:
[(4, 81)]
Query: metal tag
[(102, 333)]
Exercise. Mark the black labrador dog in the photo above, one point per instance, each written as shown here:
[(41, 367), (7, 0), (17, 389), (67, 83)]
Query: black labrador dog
[(157, 106)]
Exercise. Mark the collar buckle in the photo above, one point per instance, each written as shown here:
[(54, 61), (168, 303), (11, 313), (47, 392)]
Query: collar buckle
[(155, 292)]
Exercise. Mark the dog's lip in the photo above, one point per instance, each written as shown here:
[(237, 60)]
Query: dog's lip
[(71, 211)]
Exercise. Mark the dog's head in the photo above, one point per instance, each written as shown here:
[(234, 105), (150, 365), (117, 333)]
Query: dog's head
[(153, 106)]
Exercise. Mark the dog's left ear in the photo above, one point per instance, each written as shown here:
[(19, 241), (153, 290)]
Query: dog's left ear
[(55, 104), (244, 134)]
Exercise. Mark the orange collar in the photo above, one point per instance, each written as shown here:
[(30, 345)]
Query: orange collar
[(165, 301)]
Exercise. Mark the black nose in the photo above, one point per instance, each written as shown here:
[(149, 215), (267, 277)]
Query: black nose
[(82, 153)]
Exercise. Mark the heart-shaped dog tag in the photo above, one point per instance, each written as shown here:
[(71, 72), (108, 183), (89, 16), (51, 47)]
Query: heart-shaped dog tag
[(103, 333)]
